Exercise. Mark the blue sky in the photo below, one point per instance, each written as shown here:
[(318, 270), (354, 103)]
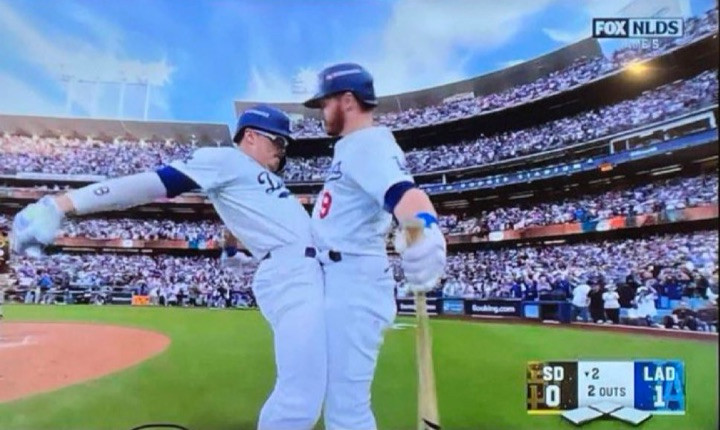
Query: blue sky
[(202, 55)]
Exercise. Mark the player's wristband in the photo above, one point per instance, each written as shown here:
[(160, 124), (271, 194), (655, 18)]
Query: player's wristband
[(230, 251), (427, 217)]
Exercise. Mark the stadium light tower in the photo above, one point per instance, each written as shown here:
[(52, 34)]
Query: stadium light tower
[(68, 79), (119, 76)]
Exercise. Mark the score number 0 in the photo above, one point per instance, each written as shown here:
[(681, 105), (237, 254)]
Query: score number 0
[(552, 392)]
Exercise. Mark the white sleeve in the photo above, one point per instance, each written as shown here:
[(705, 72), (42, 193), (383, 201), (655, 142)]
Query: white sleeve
[(206, 166), (377, 166)]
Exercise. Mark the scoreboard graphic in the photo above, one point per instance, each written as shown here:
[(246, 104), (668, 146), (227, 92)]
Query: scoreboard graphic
[(653, 386)]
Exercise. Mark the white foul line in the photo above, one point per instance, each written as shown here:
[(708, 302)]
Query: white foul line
[(24, 342)]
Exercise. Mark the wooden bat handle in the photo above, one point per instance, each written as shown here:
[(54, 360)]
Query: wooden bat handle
[(428, 416)]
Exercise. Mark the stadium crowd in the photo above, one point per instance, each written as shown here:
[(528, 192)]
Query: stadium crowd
[(143, 229), (654, 197), (87, 156), (661, 103), (598, 277), (673, 266), (162, 277), (581, 71)]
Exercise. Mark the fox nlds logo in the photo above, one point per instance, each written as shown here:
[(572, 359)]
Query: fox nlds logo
[(637, 28)]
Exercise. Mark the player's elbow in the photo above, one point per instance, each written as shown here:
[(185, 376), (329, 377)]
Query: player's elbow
[(413, 202), (175, 181)]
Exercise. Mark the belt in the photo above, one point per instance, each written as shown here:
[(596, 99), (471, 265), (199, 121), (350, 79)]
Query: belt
[(311, 252)]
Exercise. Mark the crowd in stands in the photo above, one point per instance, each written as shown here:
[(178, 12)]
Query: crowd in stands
[(87, 156), (654, 197), (668, 194), (143, 229), (675, 266), (162, 277), (581, 71), (661, 103)]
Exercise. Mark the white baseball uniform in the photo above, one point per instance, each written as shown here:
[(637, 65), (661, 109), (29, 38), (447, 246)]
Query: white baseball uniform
[(349, 218), (258, 209)]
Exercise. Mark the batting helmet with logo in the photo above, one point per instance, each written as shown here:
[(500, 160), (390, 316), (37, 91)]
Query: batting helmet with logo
[(265, 118), (344, 77)]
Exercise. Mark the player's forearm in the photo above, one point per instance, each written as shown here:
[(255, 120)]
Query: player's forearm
[(413, 202), (113, 194)]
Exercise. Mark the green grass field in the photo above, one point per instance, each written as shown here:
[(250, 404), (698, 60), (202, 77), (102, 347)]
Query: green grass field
[(219, 368)]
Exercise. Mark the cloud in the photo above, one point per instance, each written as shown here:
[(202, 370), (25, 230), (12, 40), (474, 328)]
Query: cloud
[(427, 43), (423, 43), (267, 85), (21, 98), (99, 57), (108, 35)]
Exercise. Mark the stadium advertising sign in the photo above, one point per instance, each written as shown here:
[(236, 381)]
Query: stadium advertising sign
[(453, 307), (121, 298), (407, 306), (494, 307)]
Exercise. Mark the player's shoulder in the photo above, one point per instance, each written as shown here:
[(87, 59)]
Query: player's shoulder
[(373, 140), (222, 156), (214, 152)]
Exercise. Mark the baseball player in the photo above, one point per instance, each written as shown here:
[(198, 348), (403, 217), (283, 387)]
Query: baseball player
[(368, 183), (257, 208)]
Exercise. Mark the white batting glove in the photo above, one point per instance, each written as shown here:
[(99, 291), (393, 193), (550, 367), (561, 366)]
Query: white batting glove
[(35, 227), (424, 261)]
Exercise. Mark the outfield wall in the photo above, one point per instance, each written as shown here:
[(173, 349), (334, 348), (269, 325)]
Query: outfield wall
[(554, 312)]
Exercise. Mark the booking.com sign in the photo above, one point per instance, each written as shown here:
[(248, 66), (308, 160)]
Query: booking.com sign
[(637, 28)]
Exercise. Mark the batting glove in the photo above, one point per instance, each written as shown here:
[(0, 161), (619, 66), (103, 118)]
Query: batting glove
[(424, 261), (35, 227)]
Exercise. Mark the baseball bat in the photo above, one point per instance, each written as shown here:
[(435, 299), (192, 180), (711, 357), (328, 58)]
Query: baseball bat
[(428, 417)]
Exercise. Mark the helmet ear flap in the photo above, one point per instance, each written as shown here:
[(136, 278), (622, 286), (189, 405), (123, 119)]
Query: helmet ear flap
[(239, 134)]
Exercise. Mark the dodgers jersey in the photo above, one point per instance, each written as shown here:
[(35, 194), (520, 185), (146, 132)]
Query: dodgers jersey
[(348, 215), (253, 202)]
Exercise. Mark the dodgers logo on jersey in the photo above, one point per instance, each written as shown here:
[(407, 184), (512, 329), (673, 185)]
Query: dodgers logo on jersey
[(334, 173), (273, 184)]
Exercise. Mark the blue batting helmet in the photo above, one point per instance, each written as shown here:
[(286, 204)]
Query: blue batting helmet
[(344, 77), (265, 118)]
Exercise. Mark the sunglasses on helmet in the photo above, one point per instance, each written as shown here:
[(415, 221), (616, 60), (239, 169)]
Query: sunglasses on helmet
[(277, 140)]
